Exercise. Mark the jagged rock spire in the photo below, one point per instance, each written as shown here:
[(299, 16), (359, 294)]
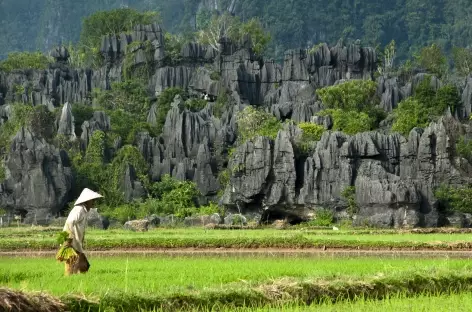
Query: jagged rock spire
[(66, 123)]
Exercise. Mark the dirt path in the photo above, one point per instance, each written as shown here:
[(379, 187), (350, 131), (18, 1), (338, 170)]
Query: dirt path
[(268, 252)]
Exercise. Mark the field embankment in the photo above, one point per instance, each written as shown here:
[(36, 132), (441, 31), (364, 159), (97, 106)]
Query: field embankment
[(198, 238)]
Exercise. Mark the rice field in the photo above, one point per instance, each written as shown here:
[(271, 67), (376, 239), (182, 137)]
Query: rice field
[(163, 274), (209, 281), (253, 282), (446, 303), (45, 239)]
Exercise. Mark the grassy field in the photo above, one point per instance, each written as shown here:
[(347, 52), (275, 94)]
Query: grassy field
[(169, 274), (45, 239), (205, 283), (225, 283), (452, 303)]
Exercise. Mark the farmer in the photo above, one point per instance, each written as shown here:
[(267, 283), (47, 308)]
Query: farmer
[(75, 226)]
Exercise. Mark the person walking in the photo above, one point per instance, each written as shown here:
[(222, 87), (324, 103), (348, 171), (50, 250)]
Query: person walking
[(75, 227)]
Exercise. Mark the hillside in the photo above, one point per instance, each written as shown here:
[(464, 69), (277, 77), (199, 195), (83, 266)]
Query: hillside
[(41, 24), (163, 126)]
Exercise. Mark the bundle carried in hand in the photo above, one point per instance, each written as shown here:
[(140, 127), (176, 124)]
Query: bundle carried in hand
[(67, 252)]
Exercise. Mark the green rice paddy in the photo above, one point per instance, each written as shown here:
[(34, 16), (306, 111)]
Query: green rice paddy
[(266, 282), (44, 239)]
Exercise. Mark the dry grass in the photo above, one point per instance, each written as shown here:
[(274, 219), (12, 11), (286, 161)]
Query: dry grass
[(281, 224), (17, 301)]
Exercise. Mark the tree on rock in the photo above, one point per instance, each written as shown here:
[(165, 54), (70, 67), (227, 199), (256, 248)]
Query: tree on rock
[(227, 26), (111, 23), (433, 60)]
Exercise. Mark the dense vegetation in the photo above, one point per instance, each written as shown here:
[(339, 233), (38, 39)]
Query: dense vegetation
[(352, 106), (24, 60), (40, 24), (426, 105)]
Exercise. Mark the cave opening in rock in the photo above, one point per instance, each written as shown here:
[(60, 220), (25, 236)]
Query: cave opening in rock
[(269, 216)]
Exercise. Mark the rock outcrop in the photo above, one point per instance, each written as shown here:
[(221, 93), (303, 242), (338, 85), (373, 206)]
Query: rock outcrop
[(393, 176), (66, 123), (467, 99), (38, 178)]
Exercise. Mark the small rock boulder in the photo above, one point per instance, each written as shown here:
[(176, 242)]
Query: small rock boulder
[(169, 220), (457, 219), (216, 219), (198, 220), (154, 221), (137, 225), (235, 219)]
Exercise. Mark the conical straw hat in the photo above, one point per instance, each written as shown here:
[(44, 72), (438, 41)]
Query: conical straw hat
[(87, 195)]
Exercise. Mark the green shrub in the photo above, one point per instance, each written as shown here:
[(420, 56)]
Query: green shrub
[(113, 22), (122, 213), (142, 72), (215, 76), (140, 127), (324, 217), (254, 122), (235, 30), (352, 105), (210, 209), (425, 106), (41, 122), (128, 155), (462, 60), (458, 199), (19, 89), (174, 197), (122, 123), (311, 131), (2, 174), (350, 122), (357, 95), (424, 92), (25, 60), (90, 169), (38, 119), (315, 48), (405, 71), (349, 194), (95, 152), (223, 177), (164, 104), (173, 44), (81, 113), (464, 148), (260, 38), (195, 105), (221, 104), (409, 114), (76, 56), (130, 96), (447, 96), (433, 60)]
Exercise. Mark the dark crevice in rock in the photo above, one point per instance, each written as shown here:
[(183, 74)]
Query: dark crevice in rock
[(270, 215)]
